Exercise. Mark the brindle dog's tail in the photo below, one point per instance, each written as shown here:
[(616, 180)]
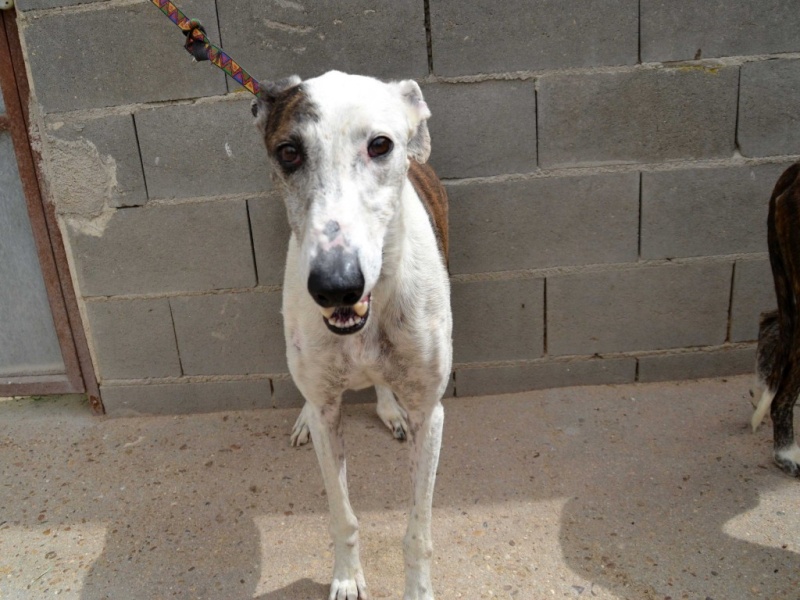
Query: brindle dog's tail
[(783, 236)]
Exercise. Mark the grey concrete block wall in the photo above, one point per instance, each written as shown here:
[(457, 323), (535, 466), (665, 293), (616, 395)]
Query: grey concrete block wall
[(187, 247), (706, 211), (637, 116), (686, 29), (769, 121), (76, 146), (524, 35), (191, 151), (278, 39), (753, 293), (134, 339), (474, 135), (608, 163), (638, 309), (122, 54), (543, 222), (216, 334)]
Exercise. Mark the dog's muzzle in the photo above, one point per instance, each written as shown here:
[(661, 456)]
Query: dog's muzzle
[(336, 284)]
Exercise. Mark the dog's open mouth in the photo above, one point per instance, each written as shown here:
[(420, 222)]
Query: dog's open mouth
[(347, 319)]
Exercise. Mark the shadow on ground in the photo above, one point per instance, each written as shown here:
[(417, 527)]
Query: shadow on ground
[(651, 491)]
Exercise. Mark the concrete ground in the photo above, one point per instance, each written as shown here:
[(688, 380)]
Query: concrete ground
[(647, 491)]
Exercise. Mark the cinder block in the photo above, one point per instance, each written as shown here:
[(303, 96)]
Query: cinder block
[(753, 293), (118, 55), (687, 29), (230, 334), (697, 365), (133, 339), (285, 393), (543, 222), (520, 35), (275, 39), (700, 212), (478, 129), (498, 320), (547, 374), (636, 117), (649, 308), (190, 247), (184, 398), (23, 5), (75, 147), (271, 233), (205, 149), (769, 114)]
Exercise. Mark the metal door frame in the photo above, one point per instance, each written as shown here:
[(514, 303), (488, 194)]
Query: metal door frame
[(80, 377)]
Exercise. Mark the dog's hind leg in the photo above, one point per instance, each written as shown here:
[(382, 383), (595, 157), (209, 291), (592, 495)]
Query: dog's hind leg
[(762, 408), (391, 413), (326, 432), (425, 439)]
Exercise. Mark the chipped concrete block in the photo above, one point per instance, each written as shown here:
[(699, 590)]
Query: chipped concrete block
[(93, 163)]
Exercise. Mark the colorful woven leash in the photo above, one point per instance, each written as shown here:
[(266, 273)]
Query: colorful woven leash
[(197, 45)]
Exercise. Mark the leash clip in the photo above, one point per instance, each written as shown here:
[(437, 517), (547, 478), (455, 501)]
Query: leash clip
[(196, 43)]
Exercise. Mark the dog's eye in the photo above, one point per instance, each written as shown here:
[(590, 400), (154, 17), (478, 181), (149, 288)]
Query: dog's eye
[(380, 146), (289, 156)]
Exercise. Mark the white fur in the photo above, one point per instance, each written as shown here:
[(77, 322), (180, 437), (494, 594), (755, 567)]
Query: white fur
[(405, 347), (762, 408), (789, 458)]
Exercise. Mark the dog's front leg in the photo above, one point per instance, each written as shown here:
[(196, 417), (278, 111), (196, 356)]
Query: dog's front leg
[(326, 432), (425, 440)]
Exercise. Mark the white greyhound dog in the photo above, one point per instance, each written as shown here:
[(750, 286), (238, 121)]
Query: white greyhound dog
[(366, 295)]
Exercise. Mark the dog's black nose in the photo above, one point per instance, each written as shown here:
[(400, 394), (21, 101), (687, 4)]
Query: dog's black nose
[(336, 279)]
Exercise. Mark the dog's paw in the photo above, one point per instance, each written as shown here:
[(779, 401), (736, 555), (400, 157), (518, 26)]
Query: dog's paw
[(350, 588), (788, 459), (301, 434), (392, 414)]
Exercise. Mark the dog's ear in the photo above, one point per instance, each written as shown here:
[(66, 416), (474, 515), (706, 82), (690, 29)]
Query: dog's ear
[(262, 104), (419, 144)]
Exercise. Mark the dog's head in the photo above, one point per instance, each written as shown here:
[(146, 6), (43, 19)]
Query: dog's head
[(340, 147)]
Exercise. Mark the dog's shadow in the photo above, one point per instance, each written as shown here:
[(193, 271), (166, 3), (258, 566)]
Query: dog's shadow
[(656, 502), (302, 589)]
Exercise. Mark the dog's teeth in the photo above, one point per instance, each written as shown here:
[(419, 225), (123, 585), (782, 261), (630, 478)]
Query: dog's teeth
[(361, 308), (327, 312)]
